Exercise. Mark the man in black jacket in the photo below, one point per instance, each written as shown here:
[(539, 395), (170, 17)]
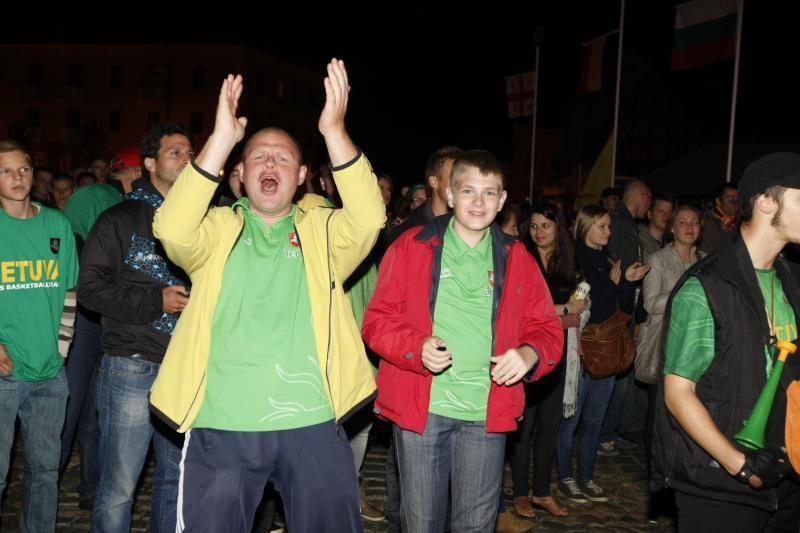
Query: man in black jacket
[(127, 278), (722, 323)]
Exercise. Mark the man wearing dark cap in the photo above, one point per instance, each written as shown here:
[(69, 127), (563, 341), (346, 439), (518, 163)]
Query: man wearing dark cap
[(723, 321)]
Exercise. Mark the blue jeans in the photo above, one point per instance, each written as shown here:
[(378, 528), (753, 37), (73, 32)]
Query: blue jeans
[(455, 451), (126, 429), (40, 406), (593, 398), (612, 425), (84, 358)]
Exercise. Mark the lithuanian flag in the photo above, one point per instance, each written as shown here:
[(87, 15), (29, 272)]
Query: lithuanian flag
[(705, 33)]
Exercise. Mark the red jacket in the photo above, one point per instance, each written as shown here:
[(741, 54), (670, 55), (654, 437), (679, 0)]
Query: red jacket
[(399, 317)]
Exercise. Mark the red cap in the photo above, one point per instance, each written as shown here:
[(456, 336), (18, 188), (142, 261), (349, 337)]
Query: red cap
[(127, 157)]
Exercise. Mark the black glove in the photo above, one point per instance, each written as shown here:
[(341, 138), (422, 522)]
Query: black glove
[(770, 464)]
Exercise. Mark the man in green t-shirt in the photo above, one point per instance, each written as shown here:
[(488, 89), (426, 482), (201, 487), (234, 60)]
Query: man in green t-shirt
[(266, 361), (723, 322), (38, 270)]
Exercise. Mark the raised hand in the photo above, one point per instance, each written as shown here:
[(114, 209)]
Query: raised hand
[(228, 128), (227, 123), (337, 90)]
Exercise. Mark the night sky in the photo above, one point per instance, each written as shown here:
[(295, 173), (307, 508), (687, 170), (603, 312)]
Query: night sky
[(421, 80)]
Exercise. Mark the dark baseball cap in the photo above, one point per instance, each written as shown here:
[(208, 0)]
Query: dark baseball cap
[(781, 169)]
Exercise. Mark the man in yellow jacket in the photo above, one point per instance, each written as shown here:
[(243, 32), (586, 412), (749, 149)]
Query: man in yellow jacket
[(266, 361)]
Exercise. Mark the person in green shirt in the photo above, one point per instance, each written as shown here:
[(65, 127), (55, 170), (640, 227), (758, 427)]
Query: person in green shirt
[(723, 322), (38, 270), (460, 316), (83, 208), (267, 364)]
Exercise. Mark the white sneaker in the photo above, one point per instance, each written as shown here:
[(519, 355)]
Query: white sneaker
[(593, 491)]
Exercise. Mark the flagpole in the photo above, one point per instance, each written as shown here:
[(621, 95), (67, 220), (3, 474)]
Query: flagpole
[(739, 17), (616, 98), (538, 34)]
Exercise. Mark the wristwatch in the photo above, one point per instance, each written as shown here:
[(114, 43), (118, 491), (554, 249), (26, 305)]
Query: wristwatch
[(744, 474)]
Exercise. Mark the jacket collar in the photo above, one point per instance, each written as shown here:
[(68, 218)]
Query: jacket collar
[(736, 267), (434, 232), (143, 190)]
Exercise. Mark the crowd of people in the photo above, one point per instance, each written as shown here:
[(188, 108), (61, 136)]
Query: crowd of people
[(251, 325)]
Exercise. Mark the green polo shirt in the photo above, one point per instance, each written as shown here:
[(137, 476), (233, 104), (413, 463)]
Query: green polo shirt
[(463, 318), (690, 344), (263, 372)]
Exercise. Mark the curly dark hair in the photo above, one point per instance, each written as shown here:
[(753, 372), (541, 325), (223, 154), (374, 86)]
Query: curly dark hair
[(151, 142)]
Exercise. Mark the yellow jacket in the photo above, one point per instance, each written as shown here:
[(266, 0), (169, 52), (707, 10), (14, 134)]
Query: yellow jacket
[(334, 242)]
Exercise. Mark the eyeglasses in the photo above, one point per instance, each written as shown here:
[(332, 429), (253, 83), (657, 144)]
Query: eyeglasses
[(21, 171)]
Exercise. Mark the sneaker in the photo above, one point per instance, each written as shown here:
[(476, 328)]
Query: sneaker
[(624, 444), (508, 522), (370, 512), (593, 491), (569, 488), (606, 449)]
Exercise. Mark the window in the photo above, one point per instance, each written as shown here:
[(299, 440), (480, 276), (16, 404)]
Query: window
[(196, 122), (115, 120), (157, 78), (32, 117), (73, 119), (74, 76), (199, 78), (116, 77)]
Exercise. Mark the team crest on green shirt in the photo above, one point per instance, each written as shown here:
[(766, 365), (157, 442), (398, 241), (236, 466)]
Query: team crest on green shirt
[(490, 291), (294, 240), (55, 244)]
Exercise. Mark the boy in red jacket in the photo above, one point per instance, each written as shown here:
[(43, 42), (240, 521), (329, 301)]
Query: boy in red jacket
[(460, 315)]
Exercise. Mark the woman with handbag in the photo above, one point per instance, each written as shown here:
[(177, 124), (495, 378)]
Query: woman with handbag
[(666, 267), (547, 238), (610, 287)]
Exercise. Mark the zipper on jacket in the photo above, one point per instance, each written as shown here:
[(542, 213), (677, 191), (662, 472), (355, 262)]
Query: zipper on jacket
[(331, 287), (186, 415)]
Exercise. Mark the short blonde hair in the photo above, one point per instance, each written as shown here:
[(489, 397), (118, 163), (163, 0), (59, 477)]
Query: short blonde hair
[(587, 216)]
